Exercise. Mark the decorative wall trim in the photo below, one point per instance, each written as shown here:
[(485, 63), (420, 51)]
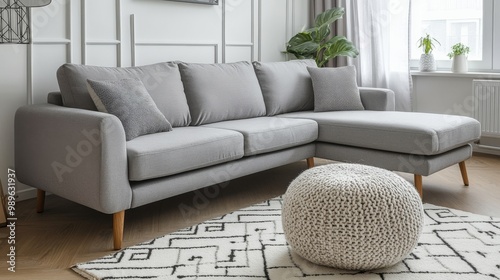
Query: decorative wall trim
[(29, 68), (239, 44), (215, 47), (135, 43), (132, 40), (117, 42), (51, 41), (83, 30), (259, 31), (119, 46), (252, 31), (223, 31)]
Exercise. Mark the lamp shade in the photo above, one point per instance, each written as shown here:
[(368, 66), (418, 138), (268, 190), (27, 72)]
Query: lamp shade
[(34, 3), (24, 3)]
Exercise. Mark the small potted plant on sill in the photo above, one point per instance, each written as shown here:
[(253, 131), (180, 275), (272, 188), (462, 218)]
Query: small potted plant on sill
[(459, 54), (427, 62)]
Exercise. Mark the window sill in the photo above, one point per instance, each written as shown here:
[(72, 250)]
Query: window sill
[(479, 75)]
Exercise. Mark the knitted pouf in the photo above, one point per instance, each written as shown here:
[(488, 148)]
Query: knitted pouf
[(352, 216)]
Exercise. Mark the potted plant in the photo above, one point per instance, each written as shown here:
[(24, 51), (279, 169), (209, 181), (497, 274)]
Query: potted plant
[(459, 54), (315, 42), (427, 62)]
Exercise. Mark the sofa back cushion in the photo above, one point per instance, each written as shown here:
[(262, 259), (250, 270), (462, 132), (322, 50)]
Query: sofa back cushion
[(219, 92), (162, 81), (286, 86)]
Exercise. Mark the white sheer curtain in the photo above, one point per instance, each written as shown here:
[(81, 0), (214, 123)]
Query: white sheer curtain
[(380, 30)]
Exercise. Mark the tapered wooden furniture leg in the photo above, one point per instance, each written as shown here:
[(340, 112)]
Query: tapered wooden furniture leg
[(418, 185), (310, 162), (463, 170), (118, 223), (40, 201)]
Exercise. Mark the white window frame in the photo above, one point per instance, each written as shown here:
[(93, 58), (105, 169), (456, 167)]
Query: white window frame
[(490, 61), (496, 36)]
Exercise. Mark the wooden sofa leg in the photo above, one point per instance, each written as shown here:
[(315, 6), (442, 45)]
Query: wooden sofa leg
[(118, 223), (463, 170), (40, 201), (310, 162), (418, 185)]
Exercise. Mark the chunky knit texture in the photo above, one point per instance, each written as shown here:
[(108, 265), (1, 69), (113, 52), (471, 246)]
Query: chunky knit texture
[(352, 216)]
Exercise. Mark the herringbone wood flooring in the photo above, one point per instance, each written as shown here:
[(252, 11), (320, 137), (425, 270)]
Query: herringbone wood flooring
[(67, 233)]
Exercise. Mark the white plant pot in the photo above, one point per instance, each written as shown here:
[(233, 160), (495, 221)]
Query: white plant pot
[(427, 63), (459, 64)]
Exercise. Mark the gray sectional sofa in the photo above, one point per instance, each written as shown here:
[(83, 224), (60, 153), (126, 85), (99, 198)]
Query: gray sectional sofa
[(229, 120)]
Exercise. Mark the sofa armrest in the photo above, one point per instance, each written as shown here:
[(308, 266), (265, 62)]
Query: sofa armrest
[(377, 99), (76, 154)]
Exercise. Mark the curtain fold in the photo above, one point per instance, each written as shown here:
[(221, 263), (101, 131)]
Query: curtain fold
[(316, 8), (380, 30), (319, 6)]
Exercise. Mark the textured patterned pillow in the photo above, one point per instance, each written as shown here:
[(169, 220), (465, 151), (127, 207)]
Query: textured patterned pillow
[(129, 100), (335, 89)]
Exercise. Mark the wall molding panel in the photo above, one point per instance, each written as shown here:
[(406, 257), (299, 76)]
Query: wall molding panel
[(115, 43), (131, 32)]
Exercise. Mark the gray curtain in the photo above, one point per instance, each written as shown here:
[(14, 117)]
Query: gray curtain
[(380, 31), (317, 7)]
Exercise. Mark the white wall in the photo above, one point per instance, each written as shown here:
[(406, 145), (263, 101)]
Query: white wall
[(450, 93), (99, 32)]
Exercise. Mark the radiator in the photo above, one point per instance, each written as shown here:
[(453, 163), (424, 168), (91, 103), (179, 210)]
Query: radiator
[(486, 94)]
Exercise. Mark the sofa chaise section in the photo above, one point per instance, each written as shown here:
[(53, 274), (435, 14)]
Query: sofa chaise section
[(416, 143)]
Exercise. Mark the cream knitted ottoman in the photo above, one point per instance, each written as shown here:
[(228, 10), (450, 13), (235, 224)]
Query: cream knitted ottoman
[(352, 216)]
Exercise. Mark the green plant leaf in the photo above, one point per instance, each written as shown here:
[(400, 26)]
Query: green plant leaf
[(302, 46), (329, 16), (458, 49), (314, 42), (427, 43), (306, 49), (300, 38), (320, 34), (339, 46)]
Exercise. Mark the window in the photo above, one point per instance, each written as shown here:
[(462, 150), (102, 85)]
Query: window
[(452, 21)]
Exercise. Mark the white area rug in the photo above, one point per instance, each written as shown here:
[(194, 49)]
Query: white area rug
[(249, 244)]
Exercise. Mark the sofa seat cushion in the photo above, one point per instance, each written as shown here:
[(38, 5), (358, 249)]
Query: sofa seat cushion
[(403, 132), (182, 149), (267, 134)]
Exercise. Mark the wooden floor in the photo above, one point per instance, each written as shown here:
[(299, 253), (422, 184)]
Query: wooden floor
[(67, 233)]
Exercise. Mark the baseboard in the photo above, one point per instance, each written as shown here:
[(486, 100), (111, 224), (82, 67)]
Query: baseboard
[(26, 194), (486, 151)]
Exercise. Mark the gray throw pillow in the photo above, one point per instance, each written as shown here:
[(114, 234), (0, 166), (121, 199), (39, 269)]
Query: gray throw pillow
[(286, 85), (335, 89), (220, 92), (129, 100)]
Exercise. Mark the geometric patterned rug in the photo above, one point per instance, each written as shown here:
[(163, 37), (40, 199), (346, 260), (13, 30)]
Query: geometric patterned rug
[(250, 244)]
